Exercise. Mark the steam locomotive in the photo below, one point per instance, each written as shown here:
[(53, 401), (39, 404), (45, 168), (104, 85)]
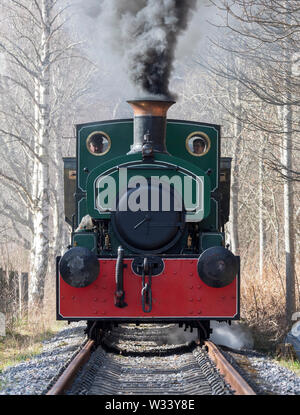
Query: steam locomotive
[(147, 199)]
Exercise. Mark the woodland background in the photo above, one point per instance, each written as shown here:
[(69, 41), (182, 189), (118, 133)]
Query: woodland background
[(237, 65)]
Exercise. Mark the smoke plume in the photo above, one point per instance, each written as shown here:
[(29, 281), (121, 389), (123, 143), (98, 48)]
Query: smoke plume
[(145, 33)]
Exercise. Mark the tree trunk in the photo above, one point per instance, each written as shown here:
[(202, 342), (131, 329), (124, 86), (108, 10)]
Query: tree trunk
[(234, 187), (261, 212), (288, 201), (40, 243), (288, 192), (58, 197)]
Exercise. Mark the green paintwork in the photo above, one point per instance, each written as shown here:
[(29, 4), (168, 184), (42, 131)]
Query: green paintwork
[(90, 166), (149, 172), (211, 239), (85, 238), (178, 131), (121, 131)]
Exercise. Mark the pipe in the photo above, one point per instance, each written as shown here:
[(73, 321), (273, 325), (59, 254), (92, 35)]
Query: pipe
[(150, 117)]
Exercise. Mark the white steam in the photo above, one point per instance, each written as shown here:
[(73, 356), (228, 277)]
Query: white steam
[(137, 36), (234, 336), (180, 336)]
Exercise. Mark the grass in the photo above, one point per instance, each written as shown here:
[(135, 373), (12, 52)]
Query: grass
[(293, 365), (24, 341)]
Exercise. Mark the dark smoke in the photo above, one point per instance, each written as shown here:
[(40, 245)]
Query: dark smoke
[(145, 32)]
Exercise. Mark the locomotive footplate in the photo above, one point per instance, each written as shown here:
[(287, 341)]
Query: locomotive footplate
[(148, 288)]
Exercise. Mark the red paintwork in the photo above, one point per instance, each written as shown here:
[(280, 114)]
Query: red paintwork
[(177, 292)]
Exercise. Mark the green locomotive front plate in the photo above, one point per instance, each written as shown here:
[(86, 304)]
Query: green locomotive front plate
[(108, 182), (179, 136), (120, 134), (118, 138)]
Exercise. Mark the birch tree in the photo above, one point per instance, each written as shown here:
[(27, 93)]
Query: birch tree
[(268, 34), (30, 55)]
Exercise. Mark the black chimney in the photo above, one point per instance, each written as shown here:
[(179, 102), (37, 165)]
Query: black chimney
[(150, 120)]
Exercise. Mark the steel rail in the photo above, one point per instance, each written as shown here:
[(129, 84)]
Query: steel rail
[(232, 377), (235, 380), (68, 375)]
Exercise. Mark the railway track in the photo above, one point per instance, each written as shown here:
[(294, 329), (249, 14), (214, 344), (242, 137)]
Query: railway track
[(148, 360)]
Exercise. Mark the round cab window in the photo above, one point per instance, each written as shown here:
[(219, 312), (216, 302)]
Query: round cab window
[(98, 143), (198, 144)]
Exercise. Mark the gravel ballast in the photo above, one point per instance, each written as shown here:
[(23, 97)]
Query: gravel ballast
[(273, 378), (33, 377)]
